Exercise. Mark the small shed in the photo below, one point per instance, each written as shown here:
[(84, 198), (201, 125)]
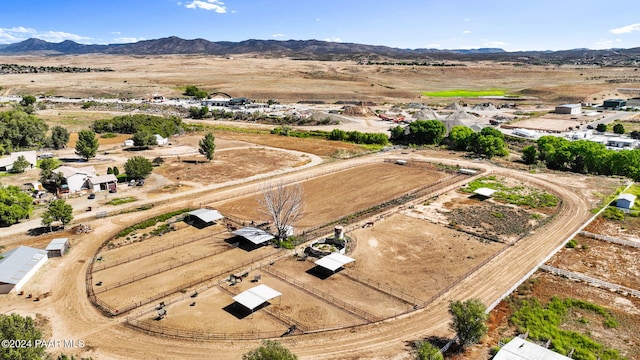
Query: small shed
[(256, 296), (57, 247), (161, 140), (484, 192), (625, 201), (107, 182), (521, 349), (17, 266)]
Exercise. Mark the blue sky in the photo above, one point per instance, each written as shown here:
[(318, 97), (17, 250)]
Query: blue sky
[(446, 24)]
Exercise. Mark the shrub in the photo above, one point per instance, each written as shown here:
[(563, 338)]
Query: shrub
[(571, 244)]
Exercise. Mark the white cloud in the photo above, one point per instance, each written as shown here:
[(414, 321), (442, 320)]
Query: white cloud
[(333, 39), (494, 44), (17, 34), (467, 32), (277, 35), (215, 5), (126, 40), (625, 29)]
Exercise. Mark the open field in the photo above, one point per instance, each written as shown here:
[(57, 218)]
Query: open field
[(465, 93), (294, 80)]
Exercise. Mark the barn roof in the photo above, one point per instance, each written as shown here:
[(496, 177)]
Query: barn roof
[(103, 179), (334, 261), (57, 244), (18, 262), (254, 235), (206, 215), (520, 349), (255, 296), (486, 192), (628, 197)]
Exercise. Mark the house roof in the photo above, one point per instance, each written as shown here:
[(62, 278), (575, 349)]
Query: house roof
[(30, 156), (570, 105), (57, 244), (206, 215), (103, 179), (68, 171), (17, 263), (254, 235), (255, 296), (520, 349), (334, 261), (486, 192), (628, 197)]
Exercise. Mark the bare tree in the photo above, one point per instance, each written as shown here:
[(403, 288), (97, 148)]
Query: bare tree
[(284, 204)]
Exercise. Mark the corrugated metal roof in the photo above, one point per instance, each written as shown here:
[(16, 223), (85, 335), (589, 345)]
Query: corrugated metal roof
[(334, 261), (57, 244), (520, 349), (486, 192), (254, 235), (255, 296), (206, 215), (17, 263)]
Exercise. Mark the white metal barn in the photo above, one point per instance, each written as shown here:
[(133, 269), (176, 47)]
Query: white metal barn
[(17, 266), (57, 247), (520, 349), (571, 109)]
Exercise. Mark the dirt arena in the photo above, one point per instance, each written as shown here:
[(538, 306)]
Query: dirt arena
[(331, 197)]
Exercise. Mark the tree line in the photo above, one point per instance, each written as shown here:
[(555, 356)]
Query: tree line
[(131, 124)]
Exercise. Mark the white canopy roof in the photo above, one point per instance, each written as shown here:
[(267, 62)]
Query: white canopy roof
[(254, 235), (255, 296), (486, 192), (520, 349), (206, 215), (334, 261), (57, 244)]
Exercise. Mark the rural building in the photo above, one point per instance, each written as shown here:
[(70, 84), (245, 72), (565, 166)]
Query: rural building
[(216, 102), (128, 143), (103, 182), (203, 217), (238, 101), (621, 143), (484, 192), (17, 266), (254, 235), (521, 349), (614, 104), (76, 179), (161, 140), (334, 261), (572, 109), (6, 163), (525, 133), (57, 247), (625, 201)]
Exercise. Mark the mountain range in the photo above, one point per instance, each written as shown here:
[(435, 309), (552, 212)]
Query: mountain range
[(322, 50)]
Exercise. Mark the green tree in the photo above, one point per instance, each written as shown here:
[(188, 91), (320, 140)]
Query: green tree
[(270, 350), (158, 161), (28, 100), (529, 154), (490, 131), (87, 145), (20, 165), (601, 127), (198, 112), (116, 171), (397, 133), (618, 129), (488, 145), (15, 205), (16, 327), (192, 90), (47, 175), (426, 351), (19, 130), (144, 138), (58, 210), (460, 136), (207, 146), (338, 134), (59, 137), (469, 320), (109, 170), (138, 167), (427, 132)]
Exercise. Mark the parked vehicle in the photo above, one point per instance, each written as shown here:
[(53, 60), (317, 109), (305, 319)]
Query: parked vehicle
[(92, 196)]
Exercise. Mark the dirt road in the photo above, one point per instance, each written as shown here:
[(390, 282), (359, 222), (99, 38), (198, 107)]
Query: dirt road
[(73, 317)]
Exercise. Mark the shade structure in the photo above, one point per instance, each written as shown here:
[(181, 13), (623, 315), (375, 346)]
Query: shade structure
[(206, 215), (486, 192), (254, 235), (334, 261), (256, 296)]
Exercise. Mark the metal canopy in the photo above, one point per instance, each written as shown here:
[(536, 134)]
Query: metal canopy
[(206, 215), (334, 261), (254, 235), (256, 296)]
